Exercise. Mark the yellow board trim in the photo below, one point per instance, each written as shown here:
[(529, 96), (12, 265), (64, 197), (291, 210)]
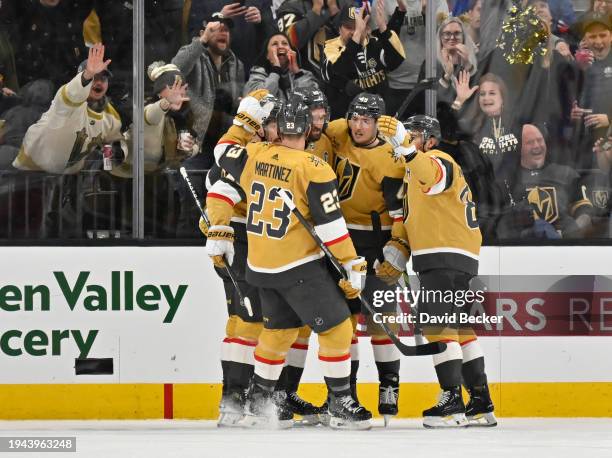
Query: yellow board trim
[(200, 401)]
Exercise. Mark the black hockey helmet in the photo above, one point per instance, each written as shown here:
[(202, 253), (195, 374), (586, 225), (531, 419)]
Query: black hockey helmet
[(365, 104), (276, 106), (426, 124), (294, 117), (314, 98)]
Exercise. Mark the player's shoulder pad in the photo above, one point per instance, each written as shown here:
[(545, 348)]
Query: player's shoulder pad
[(316, 169), (336, 127), (234, 158)]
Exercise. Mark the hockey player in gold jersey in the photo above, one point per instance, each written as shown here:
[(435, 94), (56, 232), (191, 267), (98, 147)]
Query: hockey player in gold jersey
[(243, 329), (369, 180), (442, 228), (283, 260)]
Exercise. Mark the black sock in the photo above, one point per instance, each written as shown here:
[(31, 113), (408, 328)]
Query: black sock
[(263, 383), (449, 373), (338, 386), (387, 371), (238, 375), (473, 372), (294, 375), (353, 377), (224, 370)]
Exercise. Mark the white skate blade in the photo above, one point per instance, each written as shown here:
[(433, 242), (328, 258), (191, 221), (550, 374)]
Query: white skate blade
[(387, 419), (486, 420), (307, 420), (341, 423), (456, 420), (230, 420)]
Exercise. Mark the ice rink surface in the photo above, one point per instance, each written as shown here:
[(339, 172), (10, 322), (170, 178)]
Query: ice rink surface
[(516, 438)]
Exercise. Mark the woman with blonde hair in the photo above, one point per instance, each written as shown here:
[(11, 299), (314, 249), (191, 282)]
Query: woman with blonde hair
[(456, 56)]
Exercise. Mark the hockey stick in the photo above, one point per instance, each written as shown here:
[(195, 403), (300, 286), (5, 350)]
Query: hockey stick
[(244, 300), (416, 90), (377, 226), (406, 350)]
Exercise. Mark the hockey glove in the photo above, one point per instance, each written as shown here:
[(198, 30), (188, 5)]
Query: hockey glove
[(251, 113), (356, 270), (396, 134), (396, 253), (220, 244), (203, 226)]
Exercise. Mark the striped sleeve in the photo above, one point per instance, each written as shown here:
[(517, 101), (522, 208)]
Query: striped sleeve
[(329, 223), (222, 196), (434, 174)]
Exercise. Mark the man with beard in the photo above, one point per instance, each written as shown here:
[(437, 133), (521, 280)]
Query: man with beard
[(213, 73), (318, 143), (80, 119)]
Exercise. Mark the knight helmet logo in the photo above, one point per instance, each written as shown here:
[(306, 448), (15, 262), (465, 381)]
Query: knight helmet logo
[(347, 174), (544, 200)]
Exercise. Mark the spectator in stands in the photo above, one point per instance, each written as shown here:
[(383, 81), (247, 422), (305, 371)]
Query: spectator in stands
[(253, 18), (562, 12), (411, 14), (278, 70), (308, 24), (79, 120), (359, 60), (492, 124), (213, 72), (164, 120), (35, 99), (542, 8), (555, 191), (48, 41), (456, 53), (593, 110), (473, 21)]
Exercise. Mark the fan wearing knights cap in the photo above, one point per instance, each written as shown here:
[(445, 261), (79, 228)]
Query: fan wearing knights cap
[(283, 259), (80, 119)]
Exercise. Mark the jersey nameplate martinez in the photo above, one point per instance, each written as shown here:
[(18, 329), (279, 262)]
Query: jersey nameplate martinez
[(276, 172)]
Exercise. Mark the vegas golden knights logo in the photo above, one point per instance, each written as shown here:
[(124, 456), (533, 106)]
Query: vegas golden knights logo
[(347, 174), (544, 202), (600, 199)]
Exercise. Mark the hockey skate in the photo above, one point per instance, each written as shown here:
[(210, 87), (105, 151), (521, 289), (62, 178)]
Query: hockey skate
[(479, 410), (388, 396), (449, 412), (298, 406), (265, 409), (346, 413), (231, 409)]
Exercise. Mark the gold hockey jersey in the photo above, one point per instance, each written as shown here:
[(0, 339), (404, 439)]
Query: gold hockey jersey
[(323, 149), (369, 179), (439, 215), (280, 249)]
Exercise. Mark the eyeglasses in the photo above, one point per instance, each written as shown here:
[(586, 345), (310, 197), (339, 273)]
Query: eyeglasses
[(449, 35)]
